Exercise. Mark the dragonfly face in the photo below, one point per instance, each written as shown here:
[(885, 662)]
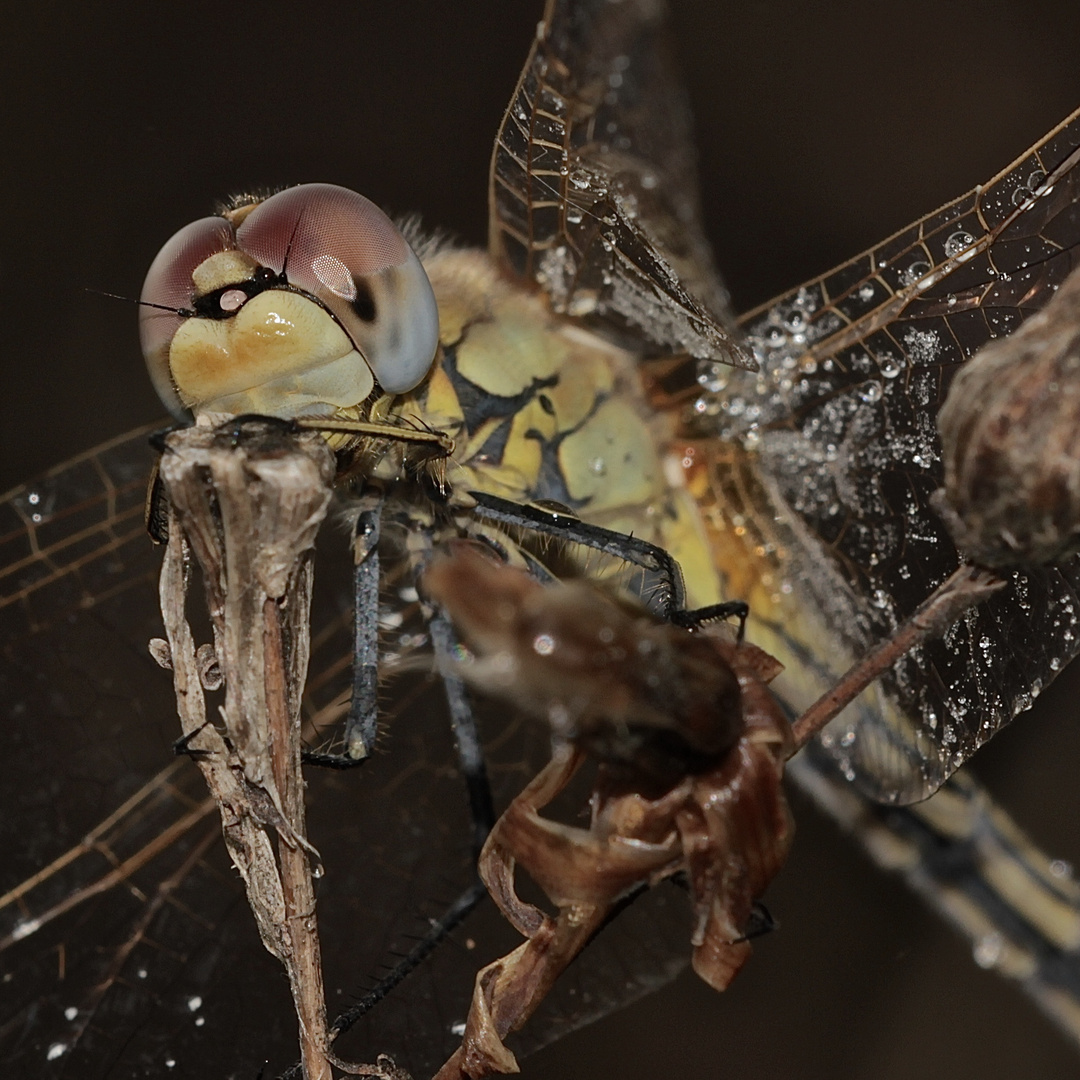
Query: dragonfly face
[(752, 244)]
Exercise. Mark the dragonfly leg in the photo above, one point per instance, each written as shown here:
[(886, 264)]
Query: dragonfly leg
[(650, 557), (570, 529), (361, 727), (182, 747), (693, 620), (466, 736)]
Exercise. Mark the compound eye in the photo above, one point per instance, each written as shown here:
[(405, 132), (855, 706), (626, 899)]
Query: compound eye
[(343, 250), (169, 285)]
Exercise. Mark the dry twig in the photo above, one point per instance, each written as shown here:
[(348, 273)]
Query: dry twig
[(248, 501)]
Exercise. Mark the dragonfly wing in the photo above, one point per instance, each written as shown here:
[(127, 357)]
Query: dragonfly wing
[(842, 424), (594, 183), (124, 930), (127, 940)]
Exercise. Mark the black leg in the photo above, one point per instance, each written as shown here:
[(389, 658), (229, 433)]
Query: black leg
[(565, 527), (361, 727), (466, 737), (182, 747), (423, 947), (693, 620), (630, 549)]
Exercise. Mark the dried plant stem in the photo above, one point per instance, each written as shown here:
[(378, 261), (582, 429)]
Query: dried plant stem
[(305, 962), (962, 590), (248, 501)]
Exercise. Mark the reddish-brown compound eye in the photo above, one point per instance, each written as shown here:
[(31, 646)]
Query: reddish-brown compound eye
[(344, 251), (169, 285)]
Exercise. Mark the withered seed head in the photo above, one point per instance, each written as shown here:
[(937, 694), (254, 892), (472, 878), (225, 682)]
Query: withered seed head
[(1010, 433), (625, 685)]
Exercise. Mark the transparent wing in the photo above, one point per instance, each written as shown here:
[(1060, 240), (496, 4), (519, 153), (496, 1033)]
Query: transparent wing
[(125, 936), (593, 182), (126, 939), (840, 428)]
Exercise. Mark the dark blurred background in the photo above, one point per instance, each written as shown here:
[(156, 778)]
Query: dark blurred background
[(822, 129)]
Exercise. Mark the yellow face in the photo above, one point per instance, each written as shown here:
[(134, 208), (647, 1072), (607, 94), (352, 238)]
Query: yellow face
[(281, 352)]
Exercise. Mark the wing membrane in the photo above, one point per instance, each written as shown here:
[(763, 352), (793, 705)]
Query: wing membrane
[(593, 182), (125, 931), (841, 422)]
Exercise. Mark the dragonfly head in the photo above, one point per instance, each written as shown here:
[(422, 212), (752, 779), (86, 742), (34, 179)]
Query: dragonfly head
[(292, 306)]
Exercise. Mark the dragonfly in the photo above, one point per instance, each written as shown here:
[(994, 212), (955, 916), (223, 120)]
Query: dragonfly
[(133, 751)]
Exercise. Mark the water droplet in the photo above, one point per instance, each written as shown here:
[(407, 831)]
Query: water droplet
[(871, 392), (37, 507), (866, 292), (915, 271), (957, 242), (881, 599), (543, 644), (70, 1012), (57, 1049), (752, 439), (890, 366), (1059, 868), (598, 466), (194, 1003), (713, 377)]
